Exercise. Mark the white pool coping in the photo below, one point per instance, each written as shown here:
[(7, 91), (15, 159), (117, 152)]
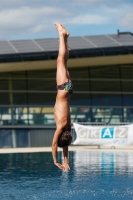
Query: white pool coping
[(71, 148)]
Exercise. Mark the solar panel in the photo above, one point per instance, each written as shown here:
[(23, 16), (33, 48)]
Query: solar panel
[(102, 41), (124, 39), (79, 43), (25, 46), (51, 44), (6, 48)]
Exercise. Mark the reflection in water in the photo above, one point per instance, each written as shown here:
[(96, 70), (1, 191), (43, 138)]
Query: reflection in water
[(107, 163), (93, 175)]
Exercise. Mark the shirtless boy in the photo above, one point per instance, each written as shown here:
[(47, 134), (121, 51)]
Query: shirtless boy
[(62, 137)]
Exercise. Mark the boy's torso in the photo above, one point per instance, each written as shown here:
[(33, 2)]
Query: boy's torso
[(62, 109)]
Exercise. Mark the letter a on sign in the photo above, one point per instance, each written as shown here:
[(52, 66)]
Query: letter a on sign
[(107, 133)]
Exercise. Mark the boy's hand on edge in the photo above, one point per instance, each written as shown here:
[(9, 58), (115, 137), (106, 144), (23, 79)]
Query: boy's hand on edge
[(59, 165), (66, 167)]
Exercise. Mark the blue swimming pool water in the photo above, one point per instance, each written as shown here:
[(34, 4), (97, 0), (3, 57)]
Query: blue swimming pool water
[(93, 175)]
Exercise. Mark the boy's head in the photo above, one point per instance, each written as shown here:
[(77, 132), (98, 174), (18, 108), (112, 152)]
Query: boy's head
[(65, 139)]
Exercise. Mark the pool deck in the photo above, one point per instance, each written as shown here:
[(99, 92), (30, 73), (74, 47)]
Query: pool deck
[(71, 148)]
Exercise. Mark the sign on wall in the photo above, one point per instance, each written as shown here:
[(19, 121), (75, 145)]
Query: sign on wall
[(103, 135)]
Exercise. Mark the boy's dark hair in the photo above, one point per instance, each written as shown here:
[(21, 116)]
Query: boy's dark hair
[(65, 139)]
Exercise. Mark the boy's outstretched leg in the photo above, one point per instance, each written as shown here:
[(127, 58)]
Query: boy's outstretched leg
[(62, 75)]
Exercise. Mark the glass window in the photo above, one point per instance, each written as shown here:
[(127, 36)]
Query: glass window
[(82, 72), (4, 84), (106, 100), (20, 115), (41, 84), (4, 98), (80, 78), (51, 73), (100, 85), (19, 74), (127, 99), (20, 98), (107, 114), (81, 85), (41, 98), (127, 72), (19, 84), (127, 86), (5, 113), (80, 99), (128, 114), (111, 72), (3, 110)]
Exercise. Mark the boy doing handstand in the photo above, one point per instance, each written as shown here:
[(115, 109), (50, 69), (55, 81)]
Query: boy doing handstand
[(62, 137)]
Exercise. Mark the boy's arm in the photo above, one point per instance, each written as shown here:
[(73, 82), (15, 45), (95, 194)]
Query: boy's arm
[(65, 153), (54, 148)]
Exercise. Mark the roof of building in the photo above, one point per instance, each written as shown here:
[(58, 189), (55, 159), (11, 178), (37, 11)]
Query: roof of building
[(47, 49)]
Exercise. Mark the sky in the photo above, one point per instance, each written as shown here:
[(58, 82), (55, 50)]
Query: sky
[(33, 19)]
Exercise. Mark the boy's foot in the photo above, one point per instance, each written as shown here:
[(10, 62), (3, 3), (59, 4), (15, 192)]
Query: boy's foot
[(61, 29)]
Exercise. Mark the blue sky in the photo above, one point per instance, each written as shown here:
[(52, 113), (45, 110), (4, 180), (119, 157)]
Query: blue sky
[(31, 19)]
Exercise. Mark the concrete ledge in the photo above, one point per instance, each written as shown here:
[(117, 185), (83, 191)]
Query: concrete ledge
[(71, 148)]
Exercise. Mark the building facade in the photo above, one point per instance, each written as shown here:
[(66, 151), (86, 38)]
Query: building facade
[(102, 78)]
